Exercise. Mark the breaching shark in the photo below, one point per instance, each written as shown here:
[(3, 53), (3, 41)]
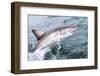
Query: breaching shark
[(48, 39)]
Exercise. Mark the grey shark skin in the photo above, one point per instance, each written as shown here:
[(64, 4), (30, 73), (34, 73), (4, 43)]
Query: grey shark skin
[(49, 38)]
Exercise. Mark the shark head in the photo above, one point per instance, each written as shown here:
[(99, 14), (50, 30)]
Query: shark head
[(67, 31)]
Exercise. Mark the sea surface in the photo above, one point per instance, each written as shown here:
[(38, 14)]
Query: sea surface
[(73, 47)]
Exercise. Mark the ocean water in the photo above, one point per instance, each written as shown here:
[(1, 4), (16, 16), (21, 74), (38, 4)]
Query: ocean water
[(73, 47)]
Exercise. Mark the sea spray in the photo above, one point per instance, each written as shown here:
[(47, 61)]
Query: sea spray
[(54, 54), (39, 54)]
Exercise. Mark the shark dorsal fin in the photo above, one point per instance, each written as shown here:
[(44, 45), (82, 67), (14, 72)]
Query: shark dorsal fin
[(38, 34)]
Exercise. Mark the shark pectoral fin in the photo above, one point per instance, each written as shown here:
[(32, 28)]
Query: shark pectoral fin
[(38, 34)]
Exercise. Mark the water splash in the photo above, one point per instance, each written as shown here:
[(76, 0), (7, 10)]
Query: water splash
[(39, 54), (56, 48)]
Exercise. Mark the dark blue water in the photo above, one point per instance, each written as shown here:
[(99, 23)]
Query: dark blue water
[(74, 47)]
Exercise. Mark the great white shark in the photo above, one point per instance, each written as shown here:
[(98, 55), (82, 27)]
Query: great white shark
[(49, 39)]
